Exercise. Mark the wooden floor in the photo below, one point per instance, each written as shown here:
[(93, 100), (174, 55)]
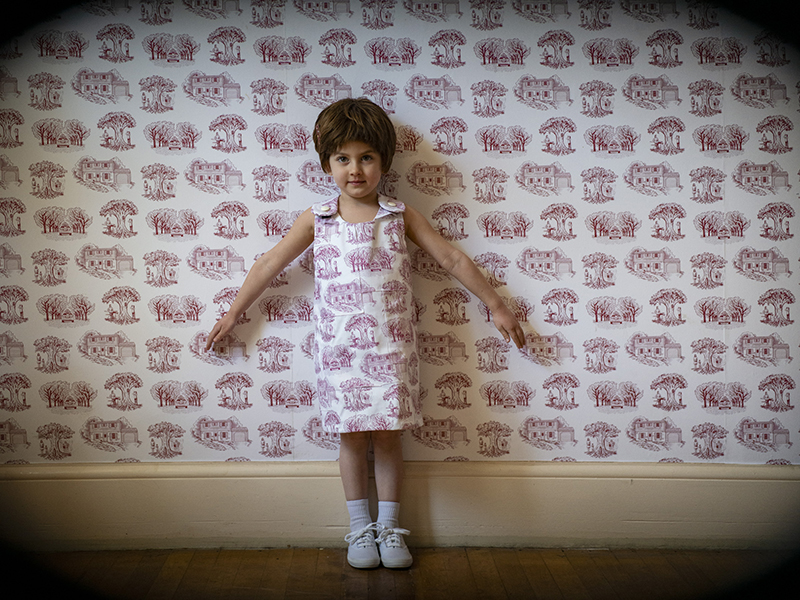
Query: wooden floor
[(437, 573)]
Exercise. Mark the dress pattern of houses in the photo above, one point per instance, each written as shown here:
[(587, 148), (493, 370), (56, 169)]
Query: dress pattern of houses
[(366, 355)]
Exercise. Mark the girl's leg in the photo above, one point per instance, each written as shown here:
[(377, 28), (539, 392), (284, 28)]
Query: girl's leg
[(389, 481), (362, 553), (353, 466), (388, 449)]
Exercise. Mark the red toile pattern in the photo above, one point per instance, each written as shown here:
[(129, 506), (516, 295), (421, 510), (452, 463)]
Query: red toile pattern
[(625, 174)]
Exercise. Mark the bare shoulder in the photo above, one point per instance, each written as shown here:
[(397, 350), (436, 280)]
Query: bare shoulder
[(306, 220), (303, 227), (421, 232), (412, 212), (415, 222), (299, 237)]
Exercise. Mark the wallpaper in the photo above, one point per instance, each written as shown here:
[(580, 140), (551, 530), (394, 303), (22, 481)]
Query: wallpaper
[(623, 172)]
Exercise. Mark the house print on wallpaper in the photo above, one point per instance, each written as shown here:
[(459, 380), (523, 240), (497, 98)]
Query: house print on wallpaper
[(625, 174)]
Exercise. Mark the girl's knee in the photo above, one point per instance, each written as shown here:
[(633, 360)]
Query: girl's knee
[(386, 439), (355, 439)]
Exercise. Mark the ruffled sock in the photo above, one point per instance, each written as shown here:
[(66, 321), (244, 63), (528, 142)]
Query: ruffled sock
[(388, 514), (359, 514)]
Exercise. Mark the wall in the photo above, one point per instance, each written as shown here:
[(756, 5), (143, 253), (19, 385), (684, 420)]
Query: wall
[(626, 177), (476, 503)]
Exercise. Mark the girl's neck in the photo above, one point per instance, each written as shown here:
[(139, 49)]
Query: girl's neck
[(361, 210)]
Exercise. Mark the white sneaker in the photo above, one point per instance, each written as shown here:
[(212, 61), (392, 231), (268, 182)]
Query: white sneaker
[(392, 547), (362, 553)]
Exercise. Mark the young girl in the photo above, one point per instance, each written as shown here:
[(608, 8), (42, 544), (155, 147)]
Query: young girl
[(365, 345)]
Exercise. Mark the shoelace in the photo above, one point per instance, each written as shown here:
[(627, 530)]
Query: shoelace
[(362, 537), (391, 537)]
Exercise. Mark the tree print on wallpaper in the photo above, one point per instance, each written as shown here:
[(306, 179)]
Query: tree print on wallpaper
[(625, 174)]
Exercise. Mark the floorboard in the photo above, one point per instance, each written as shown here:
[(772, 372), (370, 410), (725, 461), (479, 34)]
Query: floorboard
[(457, 573), (593, 577), (437, 574), (487, 577), (515, 582), (601, 561), (426, 574), (565, 576), (539, 576), (195, 583), (221, 575)]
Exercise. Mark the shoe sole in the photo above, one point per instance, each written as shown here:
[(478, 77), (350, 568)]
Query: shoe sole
[(398, 565), (363, 565)]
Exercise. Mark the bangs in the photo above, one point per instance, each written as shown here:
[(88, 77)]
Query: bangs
[(359, 120)]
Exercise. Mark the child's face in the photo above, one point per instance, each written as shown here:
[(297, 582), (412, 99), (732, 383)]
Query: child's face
[(356, 169)]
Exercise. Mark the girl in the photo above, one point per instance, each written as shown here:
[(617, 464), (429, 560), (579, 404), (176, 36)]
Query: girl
[(365, 345)]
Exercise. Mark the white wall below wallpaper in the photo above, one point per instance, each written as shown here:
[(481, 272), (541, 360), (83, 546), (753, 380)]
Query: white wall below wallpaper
[(624, 173), (538, 504)]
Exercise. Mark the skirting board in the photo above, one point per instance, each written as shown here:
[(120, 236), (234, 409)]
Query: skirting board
[(498, 504)]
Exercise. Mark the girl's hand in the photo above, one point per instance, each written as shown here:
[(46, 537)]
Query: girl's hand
[(222, 328), (508, 326)]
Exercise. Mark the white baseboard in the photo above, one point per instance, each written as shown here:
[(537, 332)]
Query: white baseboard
[(261, 505)]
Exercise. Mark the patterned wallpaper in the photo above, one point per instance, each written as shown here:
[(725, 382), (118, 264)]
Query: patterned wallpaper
[(623, 172)]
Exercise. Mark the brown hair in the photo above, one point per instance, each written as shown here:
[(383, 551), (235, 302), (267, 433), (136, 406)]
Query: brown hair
[(354, 120)]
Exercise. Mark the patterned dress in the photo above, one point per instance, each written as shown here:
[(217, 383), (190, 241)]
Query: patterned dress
[(365, 353)]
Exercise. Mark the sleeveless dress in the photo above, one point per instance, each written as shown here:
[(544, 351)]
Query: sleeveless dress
[(365, 350)]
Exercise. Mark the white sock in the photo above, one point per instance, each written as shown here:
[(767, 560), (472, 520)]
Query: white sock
[(359, 514), (388, 513)]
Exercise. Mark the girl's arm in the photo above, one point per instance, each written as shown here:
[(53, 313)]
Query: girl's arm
[(458, 264), (264, 270)]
